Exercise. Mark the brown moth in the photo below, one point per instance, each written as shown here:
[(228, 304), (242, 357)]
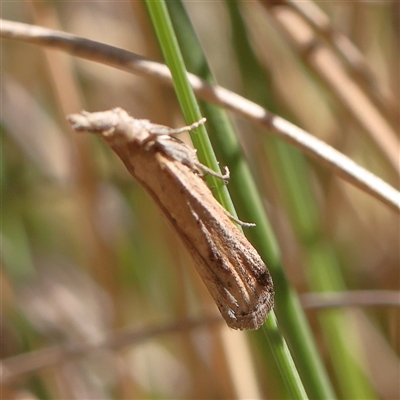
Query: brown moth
[(169, 170)]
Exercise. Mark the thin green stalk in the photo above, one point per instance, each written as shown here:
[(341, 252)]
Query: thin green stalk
[(283, 359), (291, 171), (187, 100), (248, 201), (169, 45)]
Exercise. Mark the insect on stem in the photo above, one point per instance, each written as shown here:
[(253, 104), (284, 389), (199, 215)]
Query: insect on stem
[(170, 172)]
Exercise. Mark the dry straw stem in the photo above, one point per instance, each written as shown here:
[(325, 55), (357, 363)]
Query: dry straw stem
[(321, 59), (131, 62), (354, 298), (15, 367), (348, 52)]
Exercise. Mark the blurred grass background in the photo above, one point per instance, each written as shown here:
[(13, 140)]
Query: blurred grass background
[(85, 252)]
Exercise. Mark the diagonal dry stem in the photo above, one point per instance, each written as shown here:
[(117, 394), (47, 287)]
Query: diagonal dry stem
[(356, 98), (337, 162)]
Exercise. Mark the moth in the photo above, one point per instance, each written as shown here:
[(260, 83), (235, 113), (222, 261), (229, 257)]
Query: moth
[(171, 173)]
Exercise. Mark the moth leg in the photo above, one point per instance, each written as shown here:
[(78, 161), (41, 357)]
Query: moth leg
[(183, 154), (179, 151), (240, 222), (157, 130), (225, 177)]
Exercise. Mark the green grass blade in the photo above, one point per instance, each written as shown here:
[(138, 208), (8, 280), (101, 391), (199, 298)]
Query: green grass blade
[(250, 206), (187, 100), (291, 171), (173, 59)]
